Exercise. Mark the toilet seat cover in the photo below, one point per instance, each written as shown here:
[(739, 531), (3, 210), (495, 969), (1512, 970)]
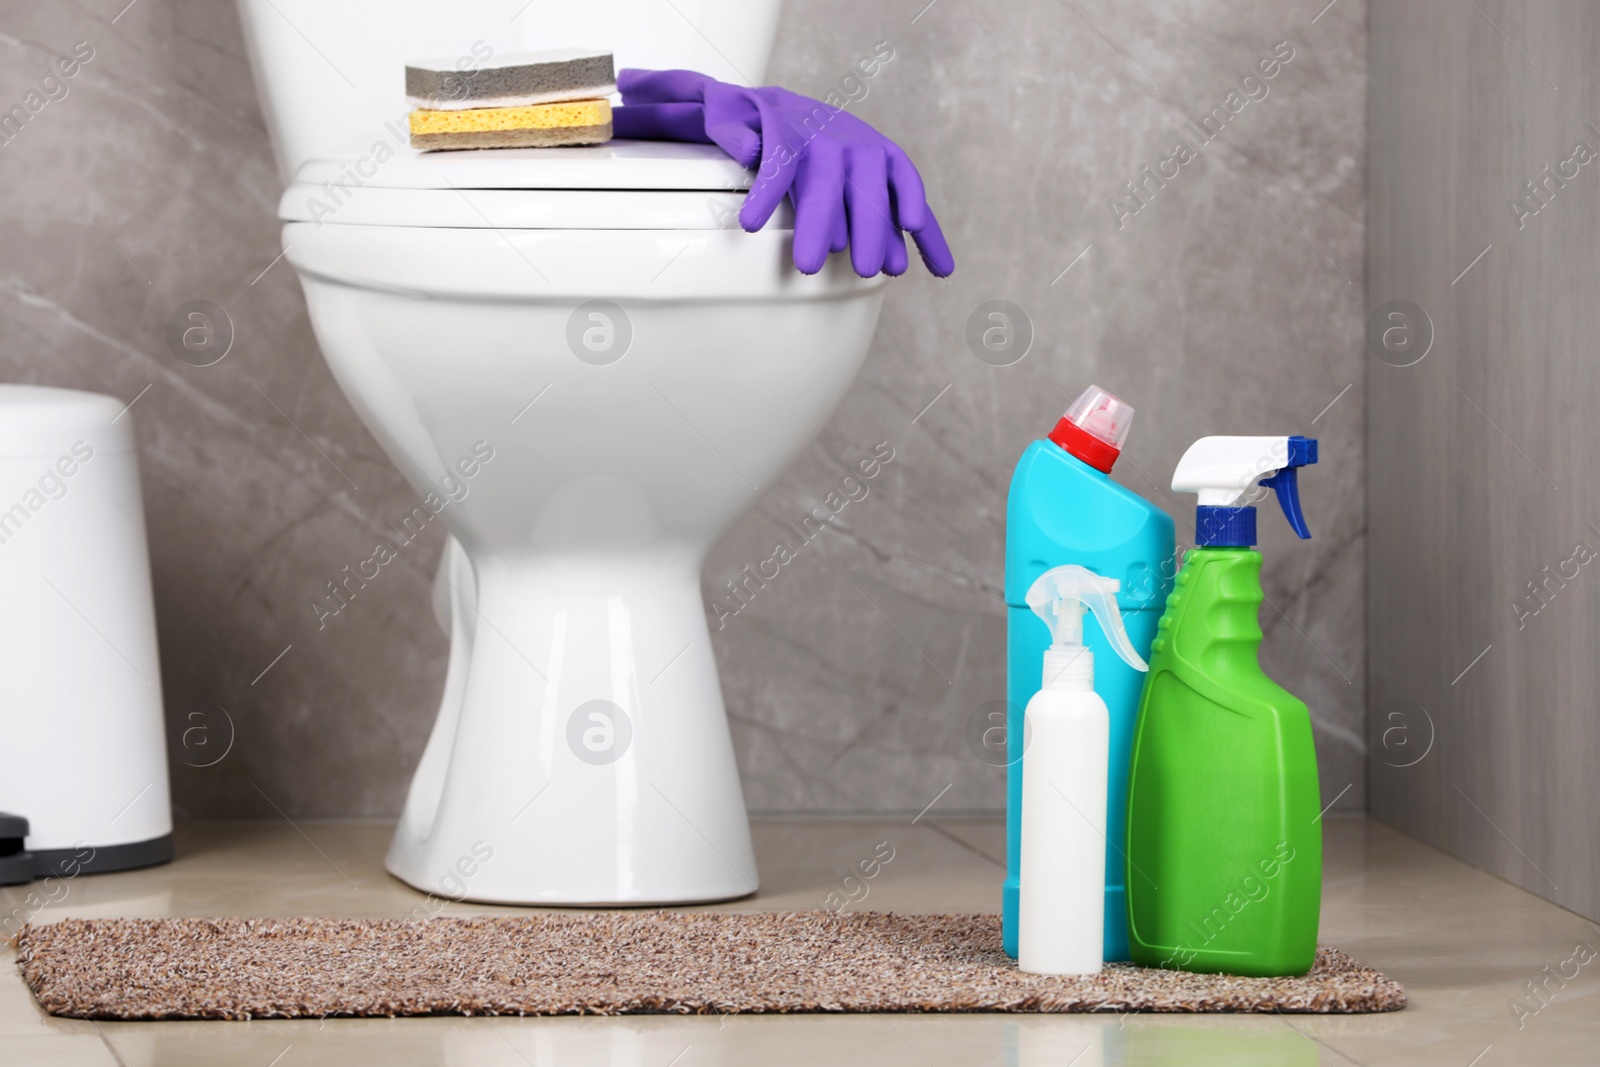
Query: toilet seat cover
[(617, 185), (613, 165)]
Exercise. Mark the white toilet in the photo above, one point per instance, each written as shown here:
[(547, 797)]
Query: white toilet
[(588, 372)]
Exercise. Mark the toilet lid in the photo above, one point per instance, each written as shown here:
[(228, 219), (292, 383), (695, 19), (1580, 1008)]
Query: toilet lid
[(618, 185)]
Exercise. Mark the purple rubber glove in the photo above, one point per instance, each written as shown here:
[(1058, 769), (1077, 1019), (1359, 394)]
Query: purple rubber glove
[(851, 186)]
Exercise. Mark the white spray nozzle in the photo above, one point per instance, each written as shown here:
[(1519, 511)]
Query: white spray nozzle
[(1223, 469), (1059, 597)]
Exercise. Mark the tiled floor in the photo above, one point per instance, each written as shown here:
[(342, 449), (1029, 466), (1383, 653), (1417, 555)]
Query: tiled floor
[(1464, 945)]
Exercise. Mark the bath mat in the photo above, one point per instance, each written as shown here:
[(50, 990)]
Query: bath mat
[(611, 963)]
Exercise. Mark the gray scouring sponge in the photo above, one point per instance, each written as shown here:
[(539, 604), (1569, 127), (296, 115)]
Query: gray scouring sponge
[(513, 80)]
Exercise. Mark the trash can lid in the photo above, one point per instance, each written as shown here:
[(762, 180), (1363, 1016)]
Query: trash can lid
[(37, 420)]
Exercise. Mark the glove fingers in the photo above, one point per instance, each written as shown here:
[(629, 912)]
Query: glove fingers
[(776, 174), (734, 138), (841, 229), (895, 259), (905, 185), (867, 198), (818, 210), (766, 193), (733, 122), (933, 249)]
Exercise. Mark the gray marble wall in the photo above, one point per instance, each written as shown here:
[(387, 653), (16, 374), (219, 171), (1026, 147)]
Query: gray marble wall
[(1227, 301)]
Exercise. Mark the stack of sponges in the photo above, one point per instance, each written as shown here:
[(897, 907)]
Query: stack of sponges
[(531, 100)]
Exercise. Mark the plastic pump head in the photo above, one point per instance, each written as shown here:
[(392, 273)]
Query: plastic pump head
[(1059, 597), (1221, 470), (1095, 427)]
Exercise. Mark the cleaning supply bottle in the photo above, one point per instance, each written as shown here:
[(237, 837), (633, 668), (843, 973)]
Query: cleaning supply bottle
[(1062, 900), (1064, 508), (1224, 842)]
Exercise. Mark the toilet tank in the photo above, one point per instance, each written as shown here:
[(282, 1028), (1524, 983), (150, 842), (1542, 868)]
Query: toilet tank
[(331, 73)]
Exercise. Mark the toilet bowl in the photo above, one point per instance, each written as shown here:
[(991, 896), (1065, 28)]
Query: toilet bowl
[(587, 372)]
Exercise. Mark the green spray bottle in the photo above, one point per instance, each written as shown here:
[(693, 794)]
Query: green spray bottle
[(1224, 840)]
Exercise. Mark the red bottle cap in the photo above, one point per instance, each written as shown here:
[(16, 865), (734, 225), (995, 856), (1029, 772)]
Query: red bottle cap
[(1094, 428)]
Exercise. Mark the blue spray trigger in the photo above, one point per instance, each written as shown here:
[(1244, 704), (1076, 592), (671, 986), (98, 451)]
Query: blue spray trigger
[(1286, 483), (1287, 486)]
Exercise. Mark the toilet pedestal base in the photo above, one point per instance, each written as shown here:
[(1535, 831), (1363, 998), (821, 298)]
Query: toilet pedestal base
[(581, 755)]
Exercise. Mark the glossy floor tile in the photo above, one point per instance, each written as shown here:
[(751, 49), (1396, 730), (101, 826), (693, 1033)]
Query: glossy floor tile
[(1468, 948)]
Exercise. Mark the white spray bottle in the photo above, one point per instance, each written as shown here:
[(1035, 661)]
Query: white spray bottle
[(1066, 738)]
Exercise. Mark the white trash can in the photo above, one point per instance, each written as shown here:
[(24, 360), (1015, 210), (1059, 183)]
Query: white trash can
[(84, 757)]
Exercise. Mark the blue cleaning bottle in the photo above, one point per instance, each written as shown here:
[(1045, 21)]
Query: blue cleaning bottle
[(1064, 508)]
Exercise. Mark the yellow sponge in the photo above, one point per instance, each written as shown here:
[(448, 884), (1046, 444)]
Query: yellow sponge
[(536, 126)]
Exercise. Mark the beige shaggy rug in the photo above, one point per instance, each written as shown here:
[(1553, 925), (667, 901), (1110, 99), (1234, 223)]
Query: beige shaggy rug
[(612, 963)]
